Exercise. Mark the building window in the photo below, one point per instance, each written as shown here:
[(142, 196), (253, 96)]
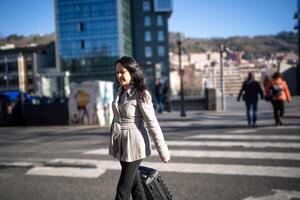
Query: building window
[(163, 5), (78, 8), (3, 81), (29, 66), (12, 67), (30, 80), (80, 27), (159, 20), (160, 36), (2, 67), (147, 21), (14, 81), (146, 6), (148, 52), (161, 51), (148, 36), (82, 44)]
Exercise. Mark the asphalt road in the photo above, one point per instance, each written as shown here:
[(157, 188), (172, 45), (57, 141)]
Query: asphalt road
[(215, 156)]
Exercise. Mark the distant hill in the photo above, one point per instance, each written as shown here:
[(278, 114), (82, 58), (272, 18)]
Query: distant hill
[(22, 41), (257, 46)]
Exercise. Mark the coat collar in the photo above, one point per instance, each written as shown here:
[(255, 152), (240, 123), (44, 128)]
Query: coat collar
[(130, 91)]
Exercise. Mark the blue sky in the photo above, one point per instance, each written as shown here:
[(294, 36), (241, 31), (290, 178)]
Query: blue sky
[(195, 18), (224, 18)]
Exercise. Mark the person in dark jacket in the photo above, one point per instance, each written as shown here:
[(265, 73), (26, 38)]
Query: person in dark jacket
[(159, 87), (250, 90)]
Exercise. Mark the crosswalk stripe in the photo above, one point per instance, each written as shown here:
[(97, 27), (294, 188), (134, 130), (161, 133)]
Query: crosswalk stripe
[(281, 127), (277, 195), (245, 137), (245, 170), (66, 172), (218, 154), (218, 169), (234, 144), (243, 131)]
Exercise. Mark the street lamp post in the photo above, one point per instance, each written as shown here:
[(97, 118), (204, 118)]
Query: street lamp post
[(279, 60), (297, 27), (179, 42), (222, 49)]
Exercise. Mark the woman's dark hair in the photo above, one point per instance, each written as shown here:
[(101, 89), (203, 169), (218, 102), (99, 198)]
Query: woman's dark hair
[(138, 80)]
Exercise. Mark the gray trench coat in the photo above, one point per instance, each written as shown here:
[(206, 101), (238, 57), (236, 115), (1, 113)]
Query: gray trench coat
[(129, 137)]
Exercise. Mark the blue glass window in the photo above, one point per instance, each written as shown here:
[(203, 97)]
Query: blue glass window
[(146, 6), (147, 21)]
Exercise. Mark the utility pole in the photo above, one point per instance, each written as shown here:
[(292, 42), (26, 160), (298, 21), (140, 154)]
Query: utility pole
[(222, 48), (298, 67), (179, 42), (297, 27)]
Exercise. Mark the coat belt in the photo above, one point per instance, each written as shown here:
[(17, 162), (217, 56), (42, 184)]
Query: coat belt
[(131, 124)]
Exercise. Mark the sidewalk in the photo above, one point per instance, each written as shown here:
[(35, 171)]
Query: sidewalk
[(233, 116)]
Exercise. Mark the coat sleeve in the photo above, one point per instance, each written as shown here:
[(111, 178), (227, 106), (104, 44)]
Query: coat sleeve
[(241, 91), (154, 129)]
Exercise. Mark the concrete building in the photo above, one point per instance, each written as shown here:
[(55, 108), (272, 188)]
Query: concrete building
[(22, 68)]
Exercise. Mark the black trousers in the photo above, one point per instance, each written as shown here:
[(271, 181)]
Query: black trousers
[(278, 108), (130, 182)]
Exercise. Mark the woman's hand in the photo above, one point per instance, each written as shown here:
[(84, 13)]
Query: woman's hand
[(165, 159)]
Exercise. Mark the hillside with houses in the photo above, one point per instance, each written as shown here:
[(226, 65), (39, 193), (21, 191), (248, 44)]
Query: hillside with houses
[(262, 55)]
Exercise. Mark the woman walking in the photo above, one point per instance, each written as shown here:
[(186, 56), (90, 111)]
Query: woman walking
[(279, 92), (130, 143)]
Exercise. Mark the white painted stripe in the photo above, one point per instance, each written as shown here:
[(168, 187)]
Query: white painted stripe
[(219, 169), (243, 131), (209, 117), (234, 144), (17, 164), (277, 195), (219, 154), (245, 170), (67, 172), (98, 152), (281, 127), (245, 137)]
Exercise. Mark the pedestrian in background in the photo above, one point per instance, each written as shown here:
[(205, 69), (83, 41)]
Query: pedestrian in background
[(278, 92), (166, 97), (250, 90), (159, 88), (130, 142)]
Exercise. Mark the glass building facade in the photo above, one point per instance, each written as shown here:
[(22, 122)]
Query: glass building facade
[(91, 35)]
